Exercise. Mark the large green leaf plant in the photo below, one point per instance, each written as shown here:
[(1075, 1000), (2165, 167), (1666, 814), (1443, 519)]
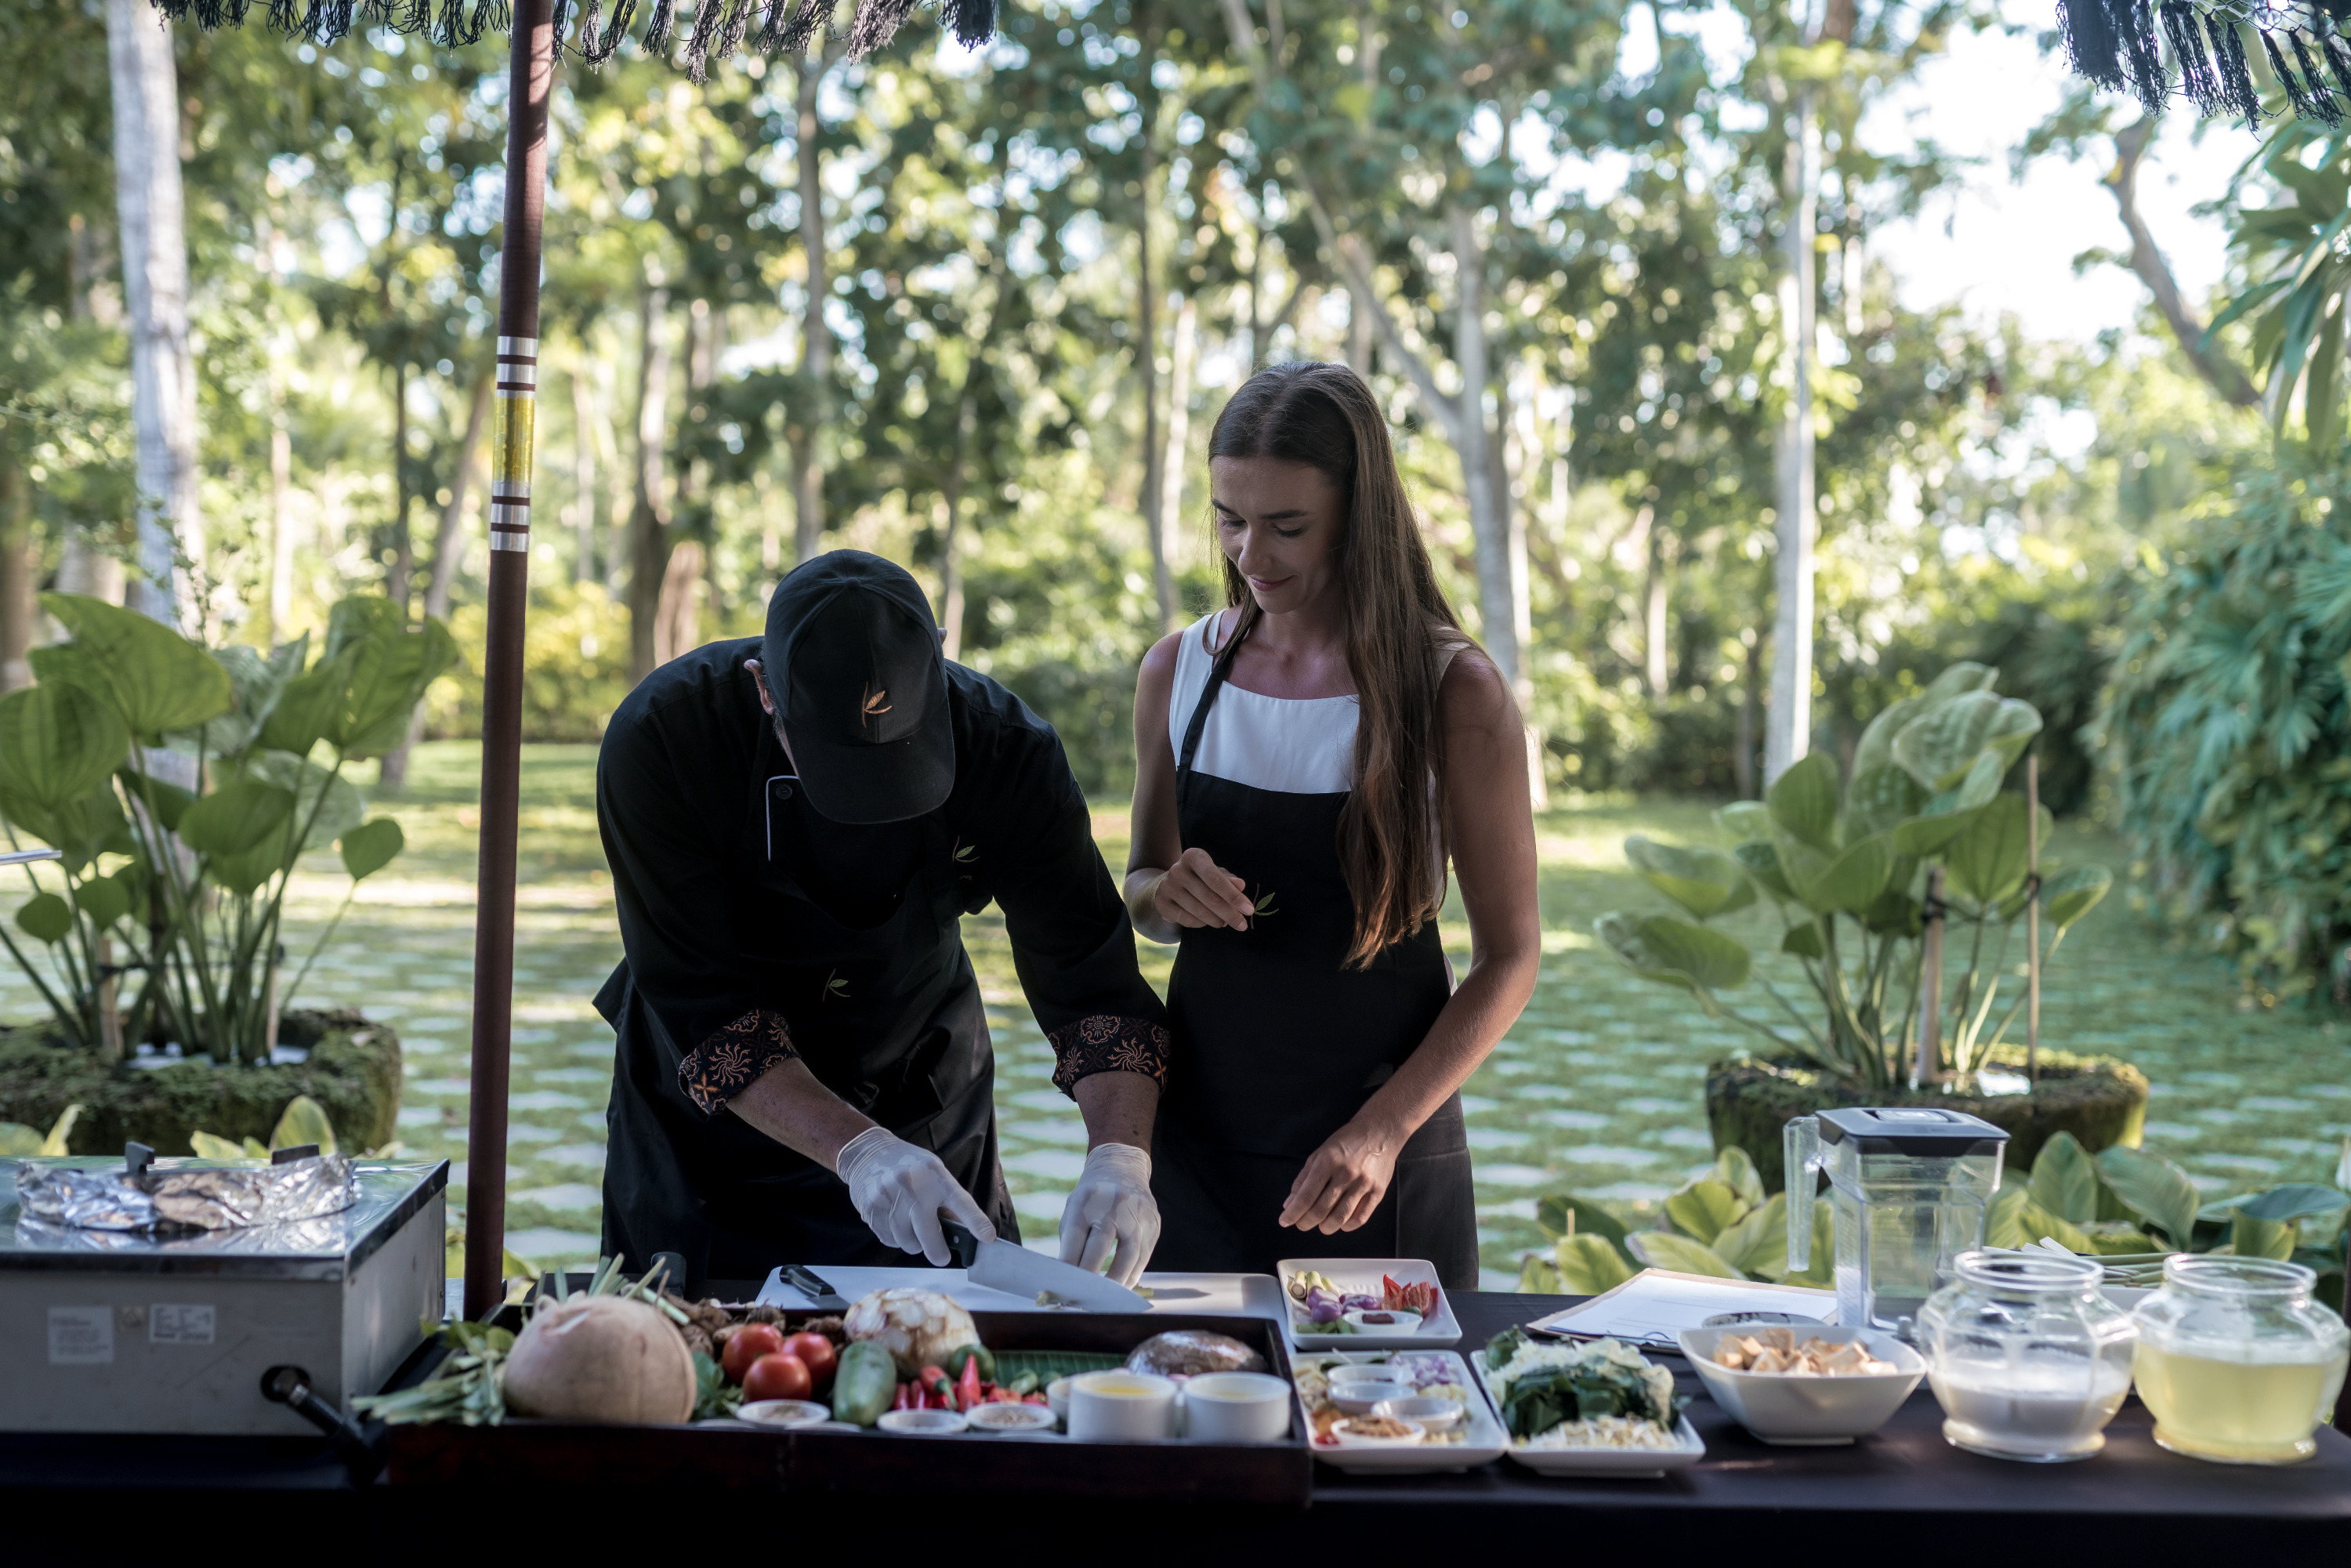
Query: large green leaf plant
[(1719, 1223), (1846, 866), (184, 889)]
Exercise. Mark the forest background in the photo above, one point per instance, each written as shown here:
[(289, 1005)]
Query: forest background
[(976, 311)]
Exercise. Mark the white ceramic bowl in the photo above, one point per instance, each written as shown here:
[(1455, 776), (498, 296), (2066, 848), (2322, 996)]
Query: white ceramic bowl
[(1803, 1410), (783, 1412), (1057, 1397), (921, 1422), (1011, 1418), (1399, 1321), (1360, 1371), (1121, 1406), (1432, 1411), (1235, 1408), (1357, 1398), (1348, 1439)]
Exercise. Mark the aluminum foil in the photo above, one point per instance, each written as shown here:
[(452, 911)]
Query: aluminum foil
[(180, 1198)]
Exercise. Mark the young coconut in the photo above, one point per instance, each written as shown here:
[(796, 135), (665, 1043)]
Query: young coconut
[(917, 1327), (602, 1359)]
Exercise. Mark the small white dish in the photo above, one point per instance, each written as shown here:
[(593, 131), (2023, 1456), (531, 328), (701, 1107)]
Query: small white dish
[(783, 1412), (1349, 1438), (1385, 1320), (1360, 1371), (1011, 1418), (922, 1423), (1122, 1406), (1429, 1411), (1235, 1408), (1357, 1398), (1057, 1397), (1808, 1411)]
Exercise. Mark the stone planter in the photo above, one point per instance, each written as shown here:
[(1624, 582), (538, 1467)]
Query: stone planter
[(2101, 1100), (353, 1070)]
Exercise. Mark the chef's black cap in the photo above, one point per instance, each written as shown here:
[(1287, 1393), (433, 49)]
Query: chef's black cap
[(852, 657)]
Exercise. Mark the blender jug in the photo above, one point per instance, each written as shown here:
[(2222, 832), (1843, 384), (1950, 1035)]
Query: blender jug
[(1908, 1188)]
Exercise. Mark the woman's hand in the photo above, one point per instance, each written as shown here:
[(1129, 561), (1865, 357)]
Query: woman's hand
[(1343, 1180), (1196, 891)]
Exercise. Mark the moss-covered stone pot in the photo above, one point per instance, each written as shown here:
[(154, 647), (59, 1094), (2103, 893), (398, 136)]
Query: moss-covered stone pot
[(353, 1070), (2101, 1100)]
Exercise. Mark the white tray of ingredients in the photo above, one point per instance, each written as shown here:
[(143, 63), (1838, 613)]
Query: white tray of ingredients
[(1622, 1463), (1363, 1283), (1478, 1439)]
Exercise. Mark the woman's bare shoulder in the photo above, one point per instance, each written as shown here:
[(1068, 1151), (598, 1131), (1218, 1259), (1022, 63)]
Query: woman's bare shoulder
[(1473, 692), (1159, 663)]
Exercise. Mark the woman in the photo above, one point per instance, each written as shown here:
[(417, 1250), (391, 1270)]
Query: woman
[(1305, 760)]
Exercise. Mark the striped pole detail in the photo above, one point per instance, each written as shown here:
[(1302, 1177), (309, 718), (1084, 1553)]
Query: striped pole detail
[(511, 444)]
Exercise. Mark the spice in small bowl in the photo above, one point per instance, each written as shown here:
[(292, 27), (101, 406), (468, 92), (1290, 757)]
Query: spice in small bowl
[(1377, 1432)]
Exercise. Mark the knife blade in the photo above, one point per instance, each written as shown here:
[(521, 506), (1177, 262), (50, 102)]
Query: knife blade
[(1016, 1271), (813, 1285)]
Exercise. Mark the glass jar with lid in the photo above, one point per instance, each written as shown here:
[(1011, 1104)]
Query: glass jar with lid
[(2235, 1361), (2027, 1356)]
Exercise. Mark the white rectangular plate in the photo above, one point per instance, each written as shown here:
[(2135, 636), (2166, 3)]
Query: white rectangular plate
[(1362, 1274), (1625, 1464), (1207, 1295), (1483, 1438)]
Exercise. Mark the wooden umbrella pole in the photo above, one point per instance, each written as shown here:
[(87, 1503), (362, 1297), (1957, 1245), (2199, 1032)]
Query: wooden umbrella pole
[(2032, 919), (532, 80)]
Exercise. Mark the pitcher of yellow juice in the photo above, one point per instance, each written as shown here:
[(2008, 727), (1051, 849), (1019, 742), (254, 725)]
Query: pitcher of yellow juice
[(2236, 1363)]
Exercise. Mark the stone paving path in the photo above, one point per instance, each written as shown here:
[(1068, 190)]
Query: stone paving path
[(1595, 1091)]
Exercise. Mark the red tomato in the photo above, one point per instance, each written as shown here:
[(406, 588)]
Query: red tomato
[(778, 1376), (747, 1344), (817, 1351)]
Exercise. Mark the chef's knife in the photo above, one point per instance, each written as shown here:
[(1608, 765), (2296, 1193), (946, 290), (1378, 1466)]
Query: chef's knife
[(1007, 1266), (813, 1285)]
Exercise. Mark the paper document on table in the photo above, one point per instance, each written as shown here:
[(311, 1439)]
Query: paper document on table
[(1652, 1304)]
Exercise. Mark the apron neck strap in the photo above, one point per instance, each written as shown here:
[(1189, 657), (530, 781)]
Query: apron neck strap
[(1223, 668)]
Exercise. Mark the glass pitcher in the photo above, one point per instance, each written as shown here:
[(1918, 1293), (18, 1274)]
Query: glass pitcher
[(1909, 1187)]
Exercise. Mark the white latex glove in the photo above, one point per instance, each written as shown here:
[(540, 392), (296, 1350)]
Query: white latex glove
[(1112, 1204), (899, 1191)]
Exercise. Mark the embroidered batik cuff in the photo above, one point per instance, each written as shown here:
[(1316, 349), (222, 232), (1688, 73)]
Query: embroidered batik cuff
[(734, 1059), (1106, 1042)]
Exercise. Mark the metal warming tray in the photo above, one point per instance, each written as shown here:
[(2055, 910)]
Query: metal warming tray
[(118, 1331)]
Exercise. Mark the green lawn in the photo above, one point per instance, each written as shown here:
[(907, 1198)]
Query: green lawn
[(1595, 1091)]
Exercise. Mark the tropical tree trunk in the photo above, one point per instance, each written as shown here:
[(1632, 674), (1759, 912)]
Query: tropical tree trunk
[(1173, 467), (18, 568), (281, 509), (583, 472), (649, 505), (1146, 360), (1653, 619), (403, 543), (446, 548), (807, 440), (678, 626), (150, 208), (1788, 734)]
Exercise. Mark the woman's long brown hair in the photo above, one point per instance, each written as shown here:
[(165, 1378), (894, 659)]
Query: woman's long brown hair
[(1389, 848)]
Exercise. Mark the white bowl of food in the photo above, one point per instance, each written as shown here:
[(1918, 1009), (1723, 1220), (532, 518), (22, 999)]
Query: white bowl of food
[(1429, 1411), (1011, 1418), (1377, 1432), (921, 1422), (1805, 1387), (782, 1412), (1357, 1398), (1384, 1320)]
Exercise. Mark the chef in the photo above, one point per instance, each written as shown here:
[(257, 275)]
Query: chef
[(795, 823)]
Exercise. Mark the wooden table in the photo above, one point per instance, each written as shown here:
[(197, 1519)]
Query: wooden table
[(1903, 1497)]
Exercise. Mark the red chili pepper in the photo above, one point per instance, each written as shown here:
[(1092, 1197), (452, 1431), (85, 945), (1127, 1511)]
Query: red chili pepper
[(967, 1391), (898, 1400)]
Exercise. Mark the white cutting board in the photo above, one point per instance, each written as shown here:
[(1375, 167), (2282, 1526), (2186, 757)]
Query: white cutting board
[(1208, 1295)]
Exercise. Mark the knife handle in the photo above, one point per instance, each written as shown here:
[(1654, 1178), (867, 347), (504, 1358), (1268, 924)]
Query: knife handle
[(963, 1246)]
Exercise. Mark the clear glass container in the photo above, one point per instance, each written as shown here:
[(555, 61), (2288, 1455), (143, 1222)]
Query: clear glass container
[(2028, 1358), (2236, 1361), (1908, 1189)]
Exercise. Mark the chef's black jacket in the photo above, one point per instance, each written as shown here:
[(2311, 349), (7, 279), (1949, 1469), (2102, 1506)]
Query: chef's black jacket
[(756, 930)]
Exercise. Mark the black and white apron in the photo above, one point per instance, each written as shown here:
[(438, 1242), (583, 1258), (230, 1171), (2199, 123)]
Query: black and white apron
[(1278, 1043)]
